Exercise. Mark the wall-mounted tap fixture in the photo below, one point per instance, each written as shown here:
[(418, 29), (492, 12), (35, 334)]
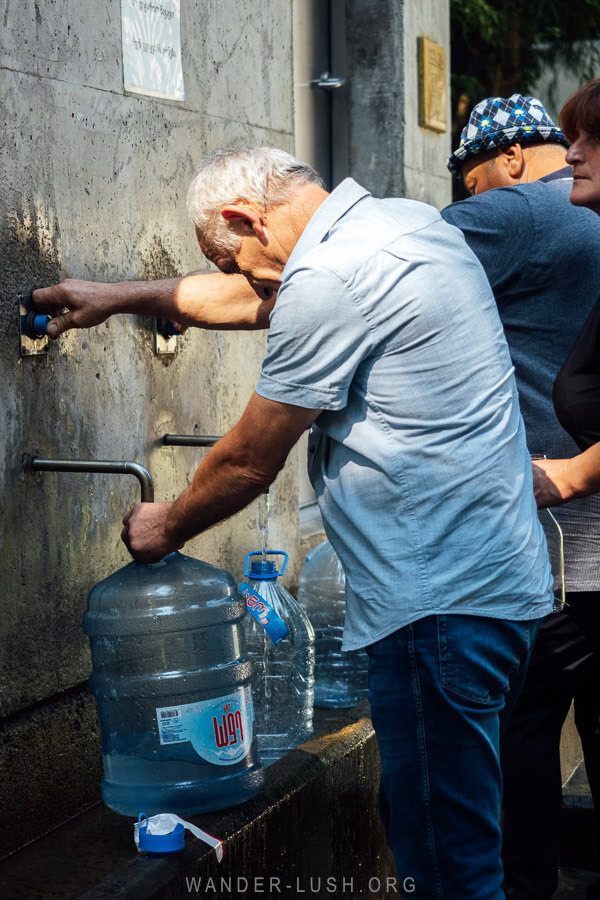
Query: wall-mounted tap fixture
[(190, 440), (33, 334), (165, 337), (104, 466)]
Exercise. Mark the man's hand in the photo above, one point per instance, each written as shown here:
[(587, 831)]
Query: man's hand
[(145, 532), (552, 482), (76, 304)]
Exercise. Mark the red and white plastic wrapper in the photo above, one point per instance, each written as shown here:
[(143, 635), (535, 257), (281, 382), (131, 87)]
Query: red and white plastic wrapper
[(164, 823)]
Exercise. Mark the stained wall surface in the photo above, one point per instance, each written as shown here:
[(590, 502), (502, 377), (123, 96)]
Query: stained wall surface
[(93, 186)]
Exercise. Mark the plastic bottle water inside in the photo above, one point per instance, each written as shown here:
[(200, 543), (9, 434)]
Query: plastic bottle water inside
[(283, 683), (341, 679), (172, 683)]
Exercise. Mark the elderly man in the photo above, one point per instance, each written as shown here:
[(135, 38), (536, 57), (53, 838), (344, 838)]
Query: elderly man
[(385, 337), (542, 258)]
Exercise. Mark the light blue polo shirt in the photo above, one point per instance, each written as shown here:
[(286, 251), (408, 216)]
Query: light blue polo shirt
[(386, 321)]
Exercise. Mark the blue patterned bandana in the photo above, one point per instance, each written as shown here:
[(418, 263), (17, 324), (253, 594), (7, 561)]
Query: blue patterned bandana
[(497, 121)]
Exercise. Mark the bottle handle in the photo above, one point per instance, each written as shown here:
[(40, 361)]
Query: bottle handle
[(267, 553)]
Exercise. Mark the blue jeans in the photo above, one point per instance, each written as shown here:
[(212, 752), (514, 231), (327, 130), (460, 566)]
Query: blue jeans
[(438, 690)]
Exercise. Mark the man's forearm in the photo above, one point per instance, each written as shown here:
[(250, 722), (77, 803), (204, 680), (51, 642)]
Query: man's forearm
[(223, 484), (556, 481), (583, 473), (204, 300), (234, 472)]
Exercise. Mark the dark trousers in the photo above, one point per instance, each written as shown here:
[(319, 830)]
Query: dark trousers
[(564, 666), (438, 689)]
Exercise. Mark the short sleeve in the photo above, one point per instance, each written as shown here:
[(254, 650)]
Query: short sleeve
[(317, 338)]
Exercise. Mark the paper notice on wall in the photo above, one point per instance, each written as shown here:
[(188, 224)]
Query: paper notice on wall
[(152, 48)]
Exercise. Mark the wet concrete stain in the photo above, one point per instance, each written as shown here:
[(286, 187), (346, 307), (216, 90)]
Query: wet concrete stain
[(158, 262), (29, 258)]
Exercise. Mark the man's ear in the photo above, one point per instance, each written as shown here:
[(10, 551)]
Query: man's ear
[(513, 160), (246, 219)]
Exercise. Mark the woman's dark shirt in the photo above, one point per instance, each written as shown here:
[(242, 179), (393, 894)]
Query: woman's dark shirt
[(576, 392)]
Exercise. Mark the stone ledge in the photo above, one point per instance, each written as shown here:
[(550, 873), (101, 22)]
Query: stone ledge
[(316, 819), (50, 767)]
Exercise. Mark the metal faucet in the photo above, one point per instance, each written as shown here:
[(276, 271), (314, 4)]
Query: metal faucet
[(114, 467)]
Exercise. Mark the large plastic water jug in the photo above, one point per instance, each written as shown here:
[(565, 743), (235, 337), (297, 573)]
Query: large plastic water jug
[(284, 673), (341, 679), (172, 682)]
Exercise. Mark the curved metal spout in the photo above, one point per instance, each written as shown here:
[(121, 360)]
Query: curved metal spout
[(191, 440), (114, 467)]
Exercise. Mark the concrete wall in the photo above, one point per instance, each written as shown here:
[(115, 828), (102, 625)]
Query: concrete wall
[(425, 151), (387, 150), (93, 187)]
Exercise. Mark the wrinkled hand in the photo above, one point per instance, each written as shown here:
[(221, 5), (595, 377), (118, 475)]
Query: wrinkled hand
[(75, 304), (145, 532), (551, 482)]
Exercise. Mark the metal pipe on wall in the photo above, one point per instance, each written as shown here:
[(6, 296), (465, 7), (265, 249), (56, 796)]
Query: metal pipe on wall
[(191, 440), (102, 466)]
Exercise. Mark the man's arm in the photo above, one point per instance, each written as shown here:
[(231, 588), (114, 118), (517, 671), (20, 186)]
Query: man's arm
[(237, 469), (556, 481), (204, 300)]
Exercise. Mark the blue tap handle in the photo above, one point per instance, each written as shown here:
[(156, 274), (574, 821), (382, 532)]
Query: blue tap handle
[(40, 324), (34, 325), (267, 553)]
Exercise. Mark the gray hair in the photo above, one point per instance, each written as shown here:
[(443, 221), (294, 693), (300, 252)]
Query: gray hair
[(264, 176)]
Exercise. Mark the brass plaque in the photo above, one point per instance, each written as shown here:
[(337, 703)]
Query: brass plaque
[(432, 85)]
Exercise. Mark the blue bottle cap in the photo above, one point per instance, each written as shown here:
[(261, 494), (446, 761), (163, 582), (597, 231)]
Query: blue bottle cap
[(263, 570), (160, 843)]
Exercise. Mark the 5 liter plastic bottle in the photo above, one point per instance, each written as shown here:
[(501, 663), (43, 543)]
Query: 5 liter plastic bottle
[(284, 673), (172, 683), (340, 678)]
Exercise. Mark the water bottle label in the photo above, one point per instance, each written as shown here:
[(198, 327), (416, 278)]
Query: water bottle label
[(219, 730), (264, 613)]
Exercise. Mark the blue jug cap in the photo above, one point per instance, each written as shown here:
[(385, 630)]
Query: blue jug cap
[(264, 569), (160, 843)]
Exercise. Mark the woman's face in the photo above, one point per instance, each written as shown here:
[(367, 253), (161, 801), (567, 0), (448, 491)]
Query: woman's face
[(584, 156)]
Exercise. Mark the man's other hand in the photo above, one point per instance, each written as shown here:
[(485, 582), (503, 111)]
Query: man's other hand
[(75, 304), (145, 532), (551, 484)]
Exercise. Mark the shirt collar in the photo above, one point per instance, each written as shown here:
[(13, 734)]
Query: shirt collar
[(344, 197), (565, 172)]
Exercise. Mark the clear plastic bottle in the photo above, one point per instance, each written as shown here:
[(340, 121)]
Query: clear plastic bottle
[(341, 679), (172, 682), (284, 673)]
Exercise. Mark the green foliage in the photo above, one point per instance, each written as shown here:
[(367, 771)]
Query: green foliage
[(500, 46)]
